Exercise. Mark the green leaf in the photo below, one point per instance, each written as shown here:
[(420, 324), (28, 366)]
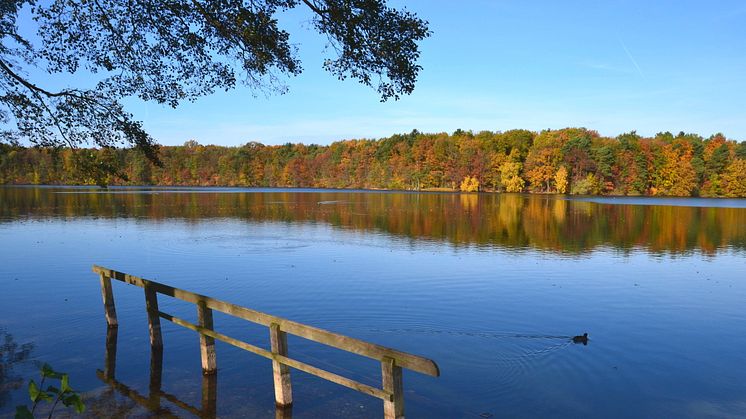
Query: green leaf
[(22, 412), (65, 383), (47, 371), (33, 391), (75, 401), (79, 406)]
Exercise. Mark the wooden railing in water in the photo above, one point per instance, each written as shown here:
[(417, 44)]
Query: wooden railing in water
[(392, 361)]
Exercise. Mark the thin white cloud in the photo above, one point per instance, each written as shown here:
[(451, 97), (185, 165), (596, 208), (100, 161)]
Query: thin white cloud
[(607, 67), (631, 58)]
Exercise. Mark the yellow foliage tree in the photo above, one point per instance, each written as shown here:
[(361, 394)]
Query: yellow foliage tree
[(493, 174), (560, 180), (676, 176), (734, 179), (510, 175), (540, 168), (470, 184)]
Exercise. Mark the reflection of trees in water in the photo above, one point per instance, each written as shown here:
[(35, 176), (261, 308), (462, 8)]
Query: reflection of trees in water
[(509, 221), (11, 353)]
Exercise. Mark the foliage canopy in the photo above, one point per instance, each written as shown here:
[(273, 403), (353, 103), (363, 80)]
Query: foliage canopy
[(668, 165)]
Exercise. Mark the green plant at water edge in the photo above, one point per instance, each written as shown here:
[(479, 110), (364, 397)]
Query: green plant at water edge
[(52, 394)]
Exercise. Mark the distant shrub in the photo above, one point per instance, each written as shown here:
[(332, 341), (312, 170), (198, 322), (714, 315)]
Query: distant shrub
[(470, 184), (589, 185)]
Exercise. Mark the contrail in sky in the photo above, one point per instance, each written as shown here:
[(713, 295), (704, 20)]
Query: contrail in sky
[(631, 58)]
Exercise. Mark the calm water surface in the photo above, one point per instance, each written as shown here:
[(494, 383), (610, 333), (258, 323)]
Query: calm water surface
[(491, 287)]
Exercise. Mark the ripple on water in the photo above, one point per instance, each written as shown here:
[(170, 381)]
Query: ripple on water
[(227, 246)]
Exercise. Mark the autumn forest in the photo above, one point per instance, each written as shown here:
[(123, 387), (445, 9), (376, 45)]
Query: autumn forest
[(571, 160)]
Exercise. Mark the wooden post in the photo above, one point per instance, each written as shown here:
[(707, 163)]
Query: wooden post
[(392, 382), (108, 296), (209, 395), (154, 320), (110, 357), (279, 345), (156, 378), (206, 343), (156, 370), (284, 412)]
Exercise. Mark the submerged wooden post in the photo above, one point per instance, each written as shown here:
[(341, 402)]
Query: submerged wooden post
[(279, 346), (209, 395), (206, 343), (284, 412), (154, 319), (156, 369), (392, 382), (108, 296), (156, 378), (110, 357)]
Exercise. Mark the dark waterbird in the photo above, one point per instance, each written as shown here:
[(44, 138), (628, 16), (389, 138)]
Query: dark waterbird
[(581, 339)]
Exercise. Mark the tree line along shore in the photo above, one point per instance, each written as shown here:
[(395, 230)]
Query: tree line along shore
[(570, 160)]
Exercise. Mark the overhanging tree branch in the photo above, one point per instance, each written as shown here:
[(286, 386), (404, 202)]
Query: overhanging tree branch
[(315, 9), (30, 85), (171, 51)]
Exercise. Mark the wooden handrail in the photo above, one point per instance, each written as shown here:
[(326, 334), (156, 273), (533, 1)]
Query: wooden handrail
[(392, 361), (363, 388), (346, 343)]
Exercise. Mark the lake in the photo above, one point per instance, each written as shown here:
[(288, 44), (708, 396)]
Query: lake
[(490, 286)]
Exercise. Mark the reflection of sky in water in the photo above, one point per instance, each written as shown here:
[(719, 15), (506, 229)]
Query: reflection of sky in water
[(667, 329), (666, 201)]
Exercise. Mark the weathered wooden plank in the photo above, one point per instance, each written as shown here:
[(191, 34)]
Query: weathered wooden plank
[(154, 322), (108, 296), (370, 350), (206, 343), (363, 388), (391, 375), (281, 372), (219, 336), (329, 376)]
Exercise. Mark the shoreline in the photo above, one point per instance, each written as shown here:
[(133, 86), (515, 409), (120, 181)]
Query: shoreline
[(270, 189)]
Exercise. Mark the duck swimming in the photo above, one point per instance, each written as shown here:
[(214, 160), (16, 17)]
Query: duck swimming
[(581, 339)]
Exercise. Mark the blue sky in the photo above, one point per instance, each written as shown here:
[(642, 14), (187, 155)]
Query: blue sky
[(612, 66)]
